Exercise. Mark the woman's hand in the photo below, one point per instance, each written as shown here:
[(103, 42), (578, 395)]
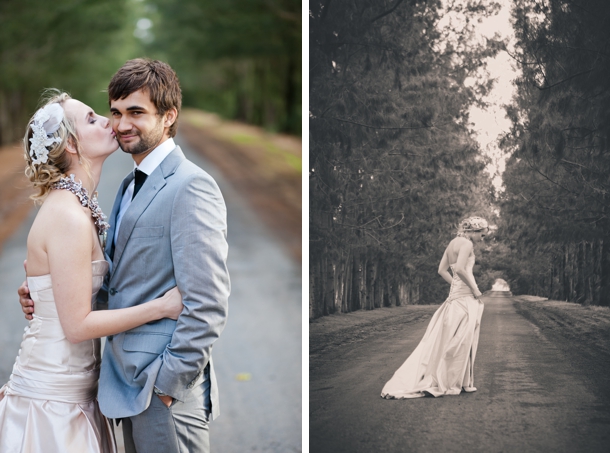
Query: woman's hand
[(171, 303), (27, 304)]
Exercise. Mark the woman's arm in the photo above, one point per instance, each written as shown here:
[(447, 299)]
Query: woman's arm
[(443, 269), (460, 267), (69, 243)]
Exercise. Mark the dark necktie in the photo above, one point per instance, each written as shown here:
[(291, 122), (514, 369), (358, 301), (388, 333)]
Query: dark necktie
[(139, 181)]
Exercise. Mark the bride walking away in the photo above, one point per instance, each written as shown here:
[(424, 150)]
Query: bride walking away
[(443, 362)]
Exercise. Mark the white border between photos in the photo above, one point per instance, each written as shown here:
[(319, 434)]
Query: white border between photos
[(305, 223)]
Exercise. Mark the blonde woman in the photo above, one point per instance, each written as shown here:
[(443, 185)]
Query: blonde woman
[(443, 362), (49, 403)]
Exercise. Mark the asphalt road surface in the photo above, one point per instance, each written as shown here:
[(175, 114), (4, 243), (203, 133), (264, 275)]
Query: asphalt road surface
[(535, 394), (258, 356)]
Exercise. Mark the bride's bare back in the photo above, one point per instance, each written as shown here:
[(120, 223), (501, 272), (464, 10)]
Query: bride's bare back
[(456, 255), (456, 245)]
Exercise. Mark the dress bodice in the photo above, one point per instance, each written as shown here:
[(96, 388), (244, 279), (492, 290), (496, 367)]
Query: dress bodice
[(49, 402), (59, 368), (458, 287), (41, 290)]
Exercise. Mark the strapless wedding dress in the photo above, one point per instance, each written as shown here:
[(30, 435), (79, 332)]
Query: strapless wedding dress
[(443, 362), (49, 404)]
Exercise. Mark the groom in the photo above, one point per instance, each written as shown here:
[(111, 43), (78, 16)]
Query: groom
[(168, 228)]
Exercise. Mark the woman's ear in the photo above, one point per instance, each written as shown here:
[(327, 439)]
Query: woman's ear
[(71, 146)]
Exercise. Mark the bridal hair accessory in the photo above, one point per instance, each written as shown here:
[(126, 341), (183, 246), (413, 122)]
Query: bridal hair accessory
[(46, 122), (473, 224), (96, 212)]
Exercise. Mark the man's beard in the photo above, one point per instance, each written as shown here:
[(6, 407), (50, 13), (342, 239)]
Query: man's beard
[(146, 143)]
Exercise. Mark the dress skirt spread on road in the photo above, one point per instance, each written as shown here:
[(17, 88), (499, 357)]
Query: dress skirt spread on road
[(443, 362)]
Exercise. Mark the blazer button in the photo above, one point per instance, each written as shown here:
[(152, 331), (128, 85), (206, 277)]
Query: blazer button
[(109, 337), (112, 291)]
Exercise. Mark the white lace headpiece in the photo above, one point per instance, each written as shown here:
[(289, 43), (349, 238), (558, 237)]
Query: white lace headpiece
[(45, 123), (473, 224)]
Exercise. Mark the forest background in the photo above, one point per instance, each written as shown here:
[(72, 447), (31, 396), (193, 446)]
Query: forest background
[(394, 163), (239, 58)]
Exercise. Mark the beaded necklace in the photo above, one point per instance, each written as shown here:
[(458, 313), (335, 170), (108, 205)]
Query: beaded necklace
[(89, 202)]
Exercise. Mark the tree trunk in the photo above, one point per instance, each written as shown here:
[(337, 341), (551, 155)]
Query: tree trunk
[(291, 123), (356, 293), (604, 296), (579, 290)]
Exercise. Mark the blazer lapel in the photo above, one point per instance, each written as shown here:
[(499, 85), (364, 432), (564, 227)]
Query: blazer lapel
[(153, 184)]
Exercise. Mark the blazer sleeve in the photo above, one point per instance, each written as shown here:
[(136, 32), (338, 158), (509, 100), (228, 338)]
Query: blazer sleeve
[(199, 252)]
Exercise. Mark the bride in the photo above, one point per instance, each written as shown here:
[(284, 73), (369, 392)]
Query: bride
[(442, 363), (49, 403)]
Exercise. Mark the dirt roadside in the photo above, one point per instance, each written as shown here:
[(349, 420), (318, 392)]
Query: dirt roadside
[(331, 333), (571, 320), (14, 191), (581, 332)]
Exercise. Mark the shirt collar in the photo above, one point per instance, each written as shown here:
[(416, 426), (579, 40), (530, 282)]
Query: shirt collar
[(152, 161)]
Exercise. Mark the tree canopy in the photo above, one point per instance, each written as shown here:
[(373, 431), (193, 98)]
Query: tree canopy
[(241, 59), (74, 46)]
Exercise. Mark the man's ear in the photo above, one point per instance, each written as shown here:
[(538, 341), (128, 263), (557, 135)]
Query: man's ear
[(170, 117)]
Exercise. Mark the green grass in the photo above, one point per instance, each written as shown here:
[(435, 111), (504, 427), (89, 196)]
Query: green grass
[(245, 139), (241, 138)]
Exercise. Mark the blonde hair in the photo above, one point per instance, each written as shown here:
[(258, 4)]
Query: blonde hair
[(43, 176)]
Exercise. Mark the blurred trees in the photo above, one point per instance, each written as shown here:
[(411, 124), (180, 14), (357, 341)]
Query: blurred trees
[(75, 46), (393, 167), (556, 205), (240, 58)]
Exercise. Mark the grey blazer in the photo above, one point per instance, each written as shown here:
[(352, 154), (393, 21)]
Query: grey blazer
[(172, 234)]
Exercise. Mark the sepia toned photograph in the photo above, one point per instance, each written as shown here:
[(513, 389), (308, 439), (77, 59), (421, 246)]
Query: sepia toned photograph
[(459, 237)]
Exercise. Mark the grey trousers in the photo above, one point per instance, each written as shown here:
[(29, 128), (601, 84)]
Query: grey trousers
[(180, 428)]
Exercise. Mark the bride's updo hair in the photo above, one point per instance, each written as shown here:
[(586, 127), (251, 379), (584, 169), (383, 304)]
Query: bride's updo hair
[(472, 224), (44, 175)]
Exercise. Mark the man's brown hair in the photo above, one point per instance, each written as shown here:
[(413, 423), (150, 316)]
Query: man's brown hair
[(154, 76)]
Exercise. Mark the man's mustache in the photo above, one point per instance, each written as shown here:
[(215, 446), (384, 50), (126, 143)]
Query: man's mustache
[(121, 134)]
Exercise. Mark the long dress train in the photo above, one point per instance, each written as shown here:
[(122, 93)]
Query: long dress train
[(49, 404), (442, 363)]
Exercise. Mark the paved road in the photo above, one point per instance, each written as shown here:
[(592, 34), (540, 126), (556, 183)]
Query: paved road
[(533, 395), (257, 358)]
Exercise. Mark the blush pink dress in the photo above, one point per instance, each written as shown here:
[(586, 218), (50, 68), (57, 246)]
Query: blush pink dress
[(49, 403), (443, 362)]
